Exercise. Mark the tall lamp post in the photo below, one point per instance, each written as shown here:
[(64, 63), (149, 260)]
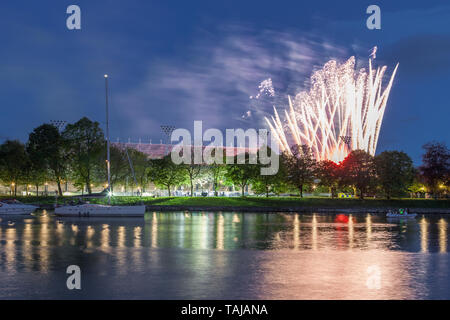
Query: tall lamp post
[(60, 124), (108, 165)]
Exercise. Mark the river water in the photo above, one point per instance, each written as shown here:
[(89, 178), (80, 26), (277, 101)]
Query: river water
[(226, 256)]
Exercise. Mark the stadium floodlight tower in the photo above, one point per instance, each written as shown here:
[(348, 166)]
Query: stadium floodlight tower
[(59, 124), (167, 130), (347, 140)]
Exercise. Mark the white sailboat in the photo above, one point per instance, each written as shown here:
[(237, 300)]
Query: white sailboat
[(97, 210), (14, 207)]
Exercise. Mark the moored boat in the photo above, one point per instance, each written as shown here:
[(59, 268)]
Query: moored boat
[(402, 213), (14, 207), (98, 210)]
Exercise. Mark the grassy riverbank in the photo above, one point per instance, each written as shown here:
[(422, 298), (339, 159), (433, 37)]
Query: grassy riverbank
[(272, 202), (284, 202)]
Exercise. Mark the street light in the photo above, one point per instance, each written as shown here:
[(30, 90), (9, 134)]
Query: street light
[(108, 154)]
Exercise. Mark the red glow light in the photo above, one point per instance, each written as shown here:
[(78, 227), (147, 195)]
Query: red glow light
[(342, 218)]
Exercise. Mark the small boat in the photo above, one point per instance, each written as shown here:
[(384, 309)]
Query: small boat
[(14, 207), (402, 213), (98, 210)]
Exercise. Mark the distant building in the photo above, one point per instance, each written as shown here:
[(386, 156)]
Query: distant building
[(158, 151)]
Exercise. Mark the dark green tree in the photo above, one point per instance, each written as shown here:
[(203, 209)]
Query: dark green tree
[(120, 169), (215, 172), (267, 184), (47, 151), (193, 171), (13, 162), (37, 176), (435, 168), (300, 167), (86, 149), (141, 167), (395, 172), (242, 174), (34, 174), (165, 174), (358, 170), (417, 187), (328, 172)]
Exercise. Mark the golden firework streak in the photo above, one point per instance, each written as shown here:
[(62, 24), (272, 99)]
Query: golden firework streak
[(342, 111)]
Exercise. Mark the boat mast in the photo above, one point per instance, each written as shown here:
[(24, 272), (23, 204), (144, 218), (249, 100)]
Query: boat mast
[(108, 165)]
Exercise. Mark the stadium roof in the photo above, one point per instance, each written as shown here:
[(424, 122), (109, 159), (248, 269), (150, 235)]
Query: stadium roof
[(158, 151)]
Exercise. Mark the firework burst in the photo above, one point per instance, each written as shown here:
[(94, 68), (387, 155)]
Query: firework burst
[(342, 111)]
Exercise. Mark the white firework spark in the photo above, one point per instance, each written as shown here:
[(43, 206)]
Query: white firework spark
[(247, 115), (373, 52), (265, 87), (342, 111)]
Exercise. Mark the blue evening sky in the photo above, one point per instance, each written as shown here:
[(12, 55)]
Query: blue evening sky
[(173, 62)]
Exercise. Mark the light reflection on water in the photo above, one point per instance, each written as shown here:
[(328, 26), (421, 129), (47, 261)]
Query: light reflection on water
[(225, 256)]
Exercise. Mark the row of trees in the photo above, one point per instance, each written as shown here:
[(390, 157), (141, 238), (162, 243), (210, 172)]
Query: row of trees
[(390, 173), (77, 154)]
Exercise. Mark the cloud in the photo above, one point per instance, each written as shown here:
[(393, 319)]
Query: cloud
[(216, 76)]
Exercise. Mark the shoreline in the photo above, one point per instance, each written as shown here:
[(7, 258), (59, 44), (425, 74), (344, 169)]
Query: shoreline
[(246, 209), (291, 209)]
